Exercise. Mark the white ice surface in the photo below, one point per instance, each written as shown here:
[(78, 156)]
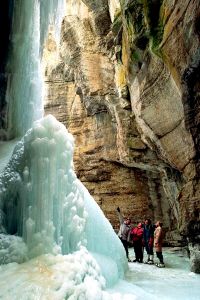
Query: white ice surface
[(173, 282), (77, 276), (6, 149), (42, 201)]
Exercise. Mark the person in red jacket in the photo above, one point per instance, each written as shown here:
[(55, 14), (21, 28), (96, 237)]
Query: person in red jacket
[(137, 237)]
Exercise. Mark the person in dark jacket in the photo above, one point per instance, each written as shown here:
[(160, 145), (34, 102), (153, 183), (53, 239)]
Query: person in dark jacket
[(124, 231), (137, 238), (148, 236)]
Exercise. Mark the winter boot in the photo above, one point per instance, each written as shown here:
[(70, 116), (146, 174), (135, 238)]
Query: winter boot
[(160, 265), (147, 261), (151, 262)]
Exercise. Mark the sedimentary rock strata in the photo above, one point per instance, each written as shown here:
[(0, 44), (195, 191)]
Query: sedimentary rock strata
[(125, 82)]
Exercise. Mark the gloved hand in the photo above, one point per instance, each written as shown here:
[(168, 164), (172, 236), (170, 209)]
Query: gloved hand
[(118, 209)]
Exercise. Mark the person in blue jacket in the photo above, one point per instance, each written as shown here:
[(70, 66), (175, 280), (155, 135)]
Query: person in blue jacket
[(148, 236)]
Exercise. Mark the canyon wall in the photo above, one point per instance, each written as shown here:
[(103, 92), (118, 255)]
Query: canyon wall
[(125, 82)]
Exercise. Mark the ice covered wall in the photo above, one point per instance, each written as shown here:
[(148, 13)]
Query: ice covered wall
[(44, 209), (5, 23), (31, 20), (43, 202)]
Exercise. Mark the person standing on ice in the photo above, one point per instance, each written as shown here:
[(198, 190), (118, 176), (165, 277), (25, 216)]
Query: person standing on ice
[(158, 239), (137, 238), (148, 237), (124, 231)]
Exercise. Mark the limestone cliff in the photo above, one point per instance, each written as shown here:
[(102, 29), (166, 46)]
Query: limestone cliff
[(125, 82)]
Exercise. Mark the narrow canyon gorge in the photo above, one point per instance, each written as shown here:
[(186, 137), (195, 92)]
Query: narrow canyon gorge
[(99, 110), (125, 82)]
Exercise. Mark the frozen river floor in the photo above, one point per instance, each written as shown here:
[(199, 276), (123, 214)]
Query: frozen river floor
[(174, 282)]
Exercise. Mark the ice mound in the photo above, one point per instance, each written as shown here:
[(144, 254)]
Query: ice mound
[(44, 203), (12, 249), (53, 277)]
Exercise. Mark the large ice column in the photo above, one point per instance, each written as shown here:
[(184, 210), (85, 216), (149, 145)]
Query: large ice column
[(44, 209), (101, 241), (48, 206), (52, 207), (24, 91), (31, 20)]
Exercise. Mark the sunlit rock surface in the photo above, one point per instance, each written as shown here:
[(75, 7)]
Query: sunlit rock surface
[(159, 67), (127, 87), (86, 89)]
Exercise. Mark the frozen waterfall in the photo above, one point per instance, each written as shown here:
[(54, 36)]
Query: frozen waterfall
[(31, 20), (55, 242), (49, 208), (54, 238)]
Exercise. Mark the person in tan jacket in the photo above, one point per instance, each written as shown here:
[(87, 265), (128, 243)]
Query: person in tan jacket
[(158, 239)]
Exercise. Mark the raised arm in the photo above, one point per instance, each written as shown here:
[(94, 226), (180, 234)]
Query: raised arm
[(121, 219)]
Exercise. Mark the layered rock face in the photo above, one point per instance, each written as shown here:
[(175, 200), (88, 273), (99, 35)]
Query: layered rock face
[(125, 82)]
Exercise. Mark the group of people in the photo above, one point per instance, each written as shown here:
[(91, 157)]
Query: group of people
[(143, 236)]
